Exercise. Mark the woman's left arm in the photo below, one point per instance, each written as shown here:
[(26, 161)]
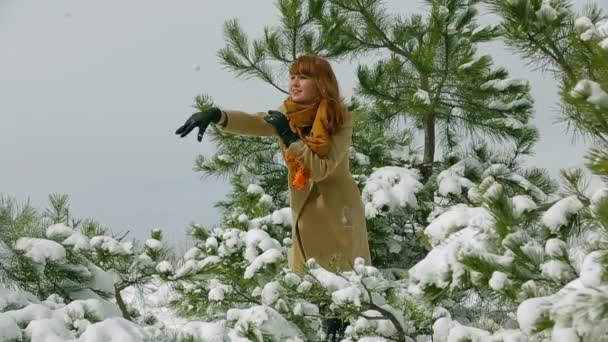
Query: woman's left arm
[(319, 168)]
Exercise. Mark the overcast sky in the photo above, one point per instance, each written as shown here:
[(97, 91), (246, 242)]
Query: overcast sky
[(92, 91)]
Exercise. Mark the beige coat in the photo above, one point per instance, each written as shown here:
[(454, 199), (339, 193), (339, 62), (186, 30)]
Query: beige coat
[(328, 218)]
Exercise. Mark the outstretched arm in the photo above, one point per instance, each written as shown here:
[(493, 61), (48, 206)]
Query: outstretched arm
[(237, 122), (232, 121)]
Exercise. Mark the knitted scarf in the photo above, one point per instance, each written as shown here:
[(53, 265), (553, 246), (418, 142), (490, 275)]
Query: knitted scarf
[(302, 117)]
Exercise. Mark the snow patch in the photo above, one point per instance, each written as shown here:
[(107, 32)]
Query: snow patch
[(205, 331), (40, 251), (9, 330), (115, 329), (58, 232), (422, 96), (441, 266), (390, 187), (269, 257), (498, 281), (455, 218), (111, 246), (516, 104), (452, 180), (266, 322), (522, 204), (255, 189), (592, 92), (559, 214), (504, 84), (593, 269)]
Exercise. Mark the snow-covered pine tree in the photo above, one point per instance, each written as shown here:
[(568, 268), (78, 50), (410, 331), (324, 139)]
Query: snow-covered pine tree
[(428, 72), (574, 48), (543, 262), (428, 77)]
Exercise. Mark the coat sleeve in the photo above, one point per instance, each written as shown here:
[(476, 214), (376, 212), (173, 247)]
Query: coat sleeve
[(318, 167), (242, 123)]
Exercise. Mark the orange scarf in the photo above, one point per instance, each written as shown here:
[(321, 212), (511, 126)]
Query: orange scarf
[(300, 117)]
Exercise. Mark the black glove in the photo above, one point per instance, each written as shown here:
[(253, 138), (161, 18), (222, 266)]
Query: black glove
[(281, 124), (200, 120)]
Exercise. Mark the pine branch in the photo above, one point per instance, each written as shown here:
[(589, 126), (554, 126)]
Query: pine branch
[(551, 53), (252, 67), (385, 313)]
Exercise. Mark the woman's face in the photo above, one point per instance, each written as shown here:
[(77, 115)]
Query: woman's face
[(302, 89)]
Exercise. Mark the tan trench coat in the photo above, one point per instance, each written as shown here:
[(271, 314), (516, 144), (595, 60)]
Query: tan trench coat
[(328, 218)]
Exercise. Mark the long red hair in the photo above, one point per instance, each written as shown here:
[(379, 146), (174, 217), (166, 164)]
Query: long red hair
[(319, 69)]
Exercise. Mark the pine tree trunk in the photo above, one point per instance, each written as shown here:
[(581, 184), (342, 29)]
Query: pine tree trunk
[(121, 304), (429, 146)]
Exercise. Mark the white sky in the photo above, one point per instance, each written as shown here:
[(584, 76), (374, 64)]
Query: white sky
[(91, 92)]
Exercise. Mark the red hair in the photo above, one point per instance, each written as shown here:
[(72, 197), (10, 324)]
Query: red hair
[(319, 69)]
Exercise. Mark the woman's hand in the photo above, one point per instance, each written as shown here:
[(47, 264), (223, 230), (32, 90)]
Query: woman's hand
[(200, 120), (279, 121)]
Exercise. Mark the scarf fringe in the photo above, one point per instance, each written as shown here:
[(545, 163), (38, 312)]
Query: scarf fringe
[(301, 174)]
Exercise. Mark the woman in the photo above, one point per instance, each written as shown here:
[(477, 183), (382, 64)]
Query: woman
[(328, 220)]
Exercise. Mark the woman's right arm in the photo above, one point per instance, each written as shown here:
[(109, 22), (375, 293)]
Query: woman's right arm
[(237, 122)]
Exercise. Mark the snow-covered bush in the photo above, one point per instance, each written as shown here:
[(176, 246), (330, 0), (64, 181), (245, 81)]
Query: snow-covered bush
[(25, 317), (77, 262), (241, 277)]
